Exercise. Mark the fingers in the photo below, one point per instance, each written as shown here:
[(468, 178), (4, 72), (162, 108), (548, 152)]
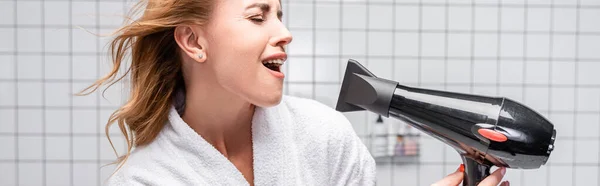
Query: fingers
[(494, 178), (505, 183), (452, 179)]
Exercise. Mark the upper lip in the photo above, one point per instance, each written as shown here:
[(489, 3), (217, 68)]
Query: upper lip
[(279, 55)]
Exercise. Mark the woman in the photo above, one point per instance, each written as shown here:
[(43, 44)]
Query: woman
[(206, 104)]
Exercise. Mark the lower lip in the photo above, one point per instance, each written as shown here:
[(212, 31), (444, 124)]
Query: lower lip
[(275, 73)]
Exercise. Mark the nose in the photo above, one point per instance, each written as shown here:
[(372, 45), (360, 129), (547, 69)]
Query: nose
[(282, 37)]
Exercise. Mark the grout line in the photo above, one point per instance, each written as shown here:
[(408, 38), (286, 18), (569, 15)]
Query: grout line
[(16, 45), (391, 122), (551, 50), (524, 60), (70, 44), (575, 91), (287, 51), (97, 122), (314, 46), (43, 44), (419, 61), (446, 36)]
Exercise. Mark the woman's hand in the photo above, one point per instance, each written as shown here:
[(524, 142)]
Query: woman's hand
[(456, 178)]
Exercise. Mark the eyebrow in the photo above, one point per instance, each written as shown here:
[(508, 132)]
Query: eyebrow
[(266, 8)]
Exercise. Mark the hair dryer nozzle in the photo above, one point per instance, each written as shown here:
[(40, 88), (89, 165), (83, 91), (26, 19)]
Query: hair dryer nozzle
[(362, 90)]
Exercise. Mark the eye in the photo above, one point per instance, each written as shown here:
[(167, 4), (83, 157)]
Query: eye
[(258, 19)]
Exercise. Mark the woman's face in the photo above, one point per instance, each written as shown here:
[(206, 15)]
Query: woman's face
[(246, 40)]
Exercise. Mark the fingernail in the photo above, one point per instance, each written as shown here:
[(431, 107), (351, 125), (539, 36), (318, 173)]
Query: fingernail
[(461, 168), (503, 171), (507, 183)]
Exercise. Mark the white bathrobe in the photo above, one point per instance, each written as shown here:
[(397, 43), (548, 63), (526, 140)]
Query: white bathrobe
[(298, 142)]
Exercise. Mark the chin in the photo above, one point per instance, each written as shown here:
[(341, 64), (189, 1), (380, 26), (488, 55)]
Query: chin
[(269, 100)]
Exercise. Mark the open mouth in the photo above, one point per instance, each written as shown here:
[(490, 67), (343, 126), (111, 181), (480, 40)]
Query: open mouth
[(273, 65)]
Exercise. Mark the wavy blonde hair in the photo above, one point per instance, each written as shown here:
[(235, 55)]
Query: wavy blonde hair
[(155, 68)]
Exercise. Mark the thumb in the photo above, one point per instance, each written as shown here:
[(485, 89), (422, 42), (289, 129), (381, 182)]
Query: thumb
[(452, 179)]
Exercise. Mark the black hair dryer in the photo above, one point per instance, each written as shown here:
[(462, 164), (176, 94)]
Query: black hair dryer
[(485, 131)]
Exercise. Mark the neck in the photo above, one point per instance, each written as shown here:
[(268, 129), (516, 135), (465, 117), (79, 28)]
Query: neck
[(222, 118)]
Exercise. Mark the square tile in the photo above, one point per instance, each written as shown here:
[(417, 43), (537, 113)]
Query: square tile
[(85, 68), (30, 174), (300, 15), (85, 173), (561, 175), (8, 94), (530, 176), (83, 41), (433, 18), (452, 157), (327, 70), (58, 147), (302, 44), (585, 2), (8, 148), (301, 90), (458, 71), (357, 119), (113, 96), (114, 129), (538, 19), (300, 69), (485, 90), (485, 71), (538, 45), (540, 2), (29, 39), (511, 92), (380, 17), (30, 93), (431, 150), (382, 68), (327, 94), (7, 67), (537, 72), (512, 19), (563, 72), (327, 43), (56, 13), (588, 99), (29, 67), (58, 174), (406, 18), (564, 155), (563, 46), (58, 94), (565, 19), (586, 150), (8, 175), (459, 45), (7, 121), (486, 18), (406, 174), (380, 44), (429, 174), (588, 20), (30, 147), (564, 123), (85, 122), (537, 97), (58, 121), (406, 44), (7, 36), (587, 73), (56, 40), (85, 148), (460, 18), (586, 175), (7, 12), (112, 13), (587, 125), (31, 121), (57, 67), (433, 71), (406, 71), (328, 16), (84, 13), (562, 99), (589, 46), (354, 16), (511, 72), (106, 150), (88, 100), (433, 44), (486, 45), (384, 174), (512, 45), (354, 42), (29, 12)]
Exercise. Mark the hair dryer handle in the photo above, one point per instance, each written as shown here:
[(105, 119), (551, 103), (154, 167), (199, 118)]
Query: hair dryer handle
[(474, 171)]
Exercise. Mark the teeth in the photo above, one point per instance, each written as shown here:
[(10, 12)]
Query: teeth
[(275, 61)]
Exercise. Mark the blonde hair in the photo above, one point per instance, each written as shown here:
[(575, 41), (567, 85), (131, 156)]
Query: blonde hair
[(155, 68)]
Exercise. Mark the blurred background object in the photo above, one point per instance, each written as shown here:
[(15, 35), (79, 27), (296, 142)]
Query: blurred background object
[(543, 53)]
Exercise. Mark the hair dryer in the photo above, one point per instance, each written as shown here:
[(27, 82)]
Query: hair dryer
[(485, 131)]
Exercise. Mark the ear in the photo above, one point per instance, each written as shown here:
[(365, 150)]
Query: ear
[(191, 41)]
